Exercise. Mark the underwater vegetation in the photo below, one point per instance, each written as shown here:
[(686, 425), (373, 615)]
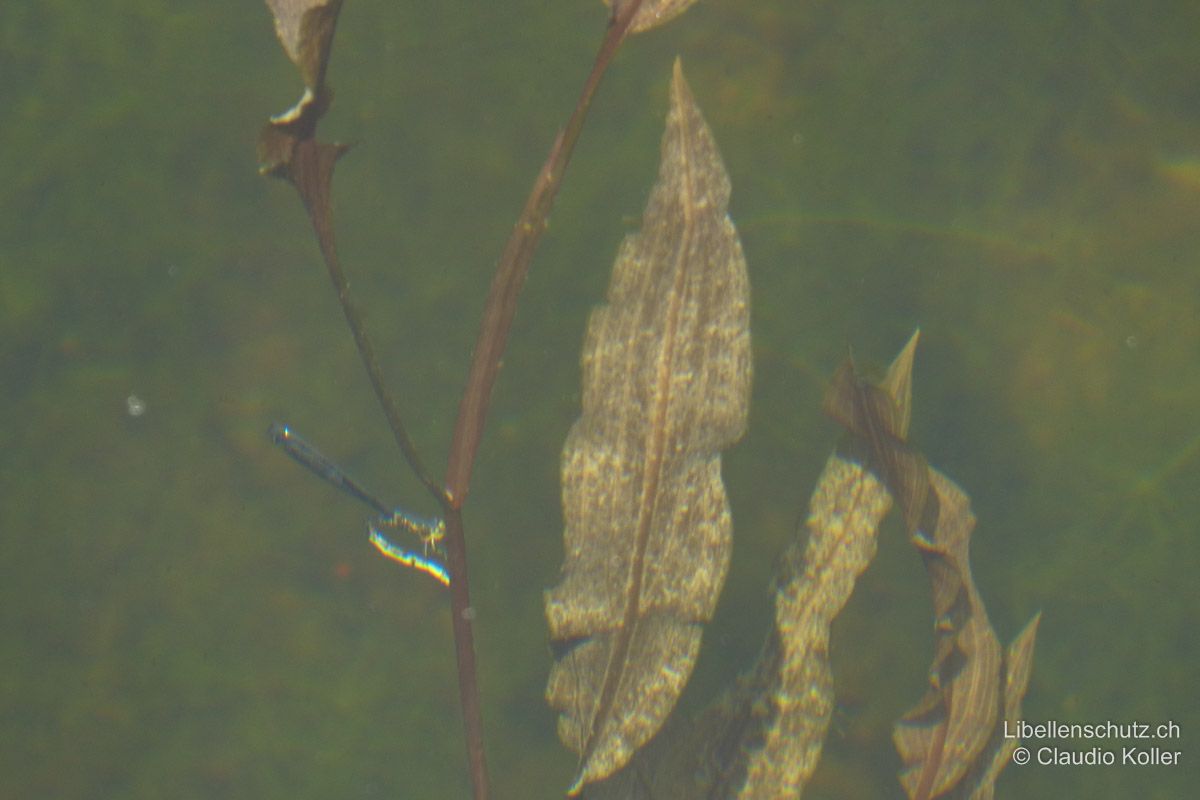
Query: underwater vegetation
[(185, 613), (666, 387)]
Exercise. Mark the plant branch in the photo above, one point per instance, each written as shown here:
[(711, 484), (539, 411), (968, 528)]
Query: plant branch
[(310, 169), (510, 274), (498, 314), (462, 614)]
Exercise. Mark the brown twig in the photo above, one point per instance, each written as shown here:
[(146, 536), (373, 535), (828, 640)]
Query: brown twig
[(296, 156), (514, 266), (498, 314), (366, 352)]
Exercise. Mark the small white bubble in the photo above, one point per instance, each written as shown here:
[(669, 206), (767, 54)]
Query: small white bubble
[(135, 405), (1131, 342)]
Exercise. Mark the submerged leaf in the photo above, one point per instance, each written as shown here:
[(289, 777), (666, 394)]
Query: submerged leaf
[(305, 29), (952, 739), (774, 724), (942, 735), (763, 739), (876, 415), (1018, 665), (287, 147), (949, 740), (666, 379)]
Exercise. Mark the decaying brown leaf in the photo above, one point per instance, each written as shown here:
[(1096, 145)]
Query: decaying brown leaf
[(287, 147), (666, 379), (871, 413), (951, 741), (1018, 665), (941, 736), (764, 739), (305, 29)]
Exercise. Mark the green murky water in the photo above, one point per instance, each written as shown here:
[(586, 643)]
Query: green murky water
[(184, 613)]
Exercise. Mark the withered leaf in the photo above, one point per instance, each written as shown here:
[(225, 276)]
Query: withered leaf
[(951, 740), (1018, 665), (287, 147), (871, 413), (666, 379), (305, 29)]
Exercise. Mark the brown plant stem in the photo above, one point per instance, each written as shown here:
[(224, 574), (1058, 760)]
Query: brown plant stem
[(501, 303), (310, 169), (498, 314), (497, 319), (367, 354), (462, 615)]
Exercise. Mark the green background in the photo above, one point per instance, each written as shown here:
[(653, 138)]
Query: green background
[(184, 613)]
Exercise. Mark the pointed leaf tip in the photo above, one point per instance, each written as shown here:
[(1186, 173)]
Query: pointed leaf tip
[(879, 415), (898, 382)]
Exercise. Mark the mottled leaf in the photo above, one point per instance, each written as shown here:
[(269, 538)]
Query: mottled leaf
[(763, 739), (666, 378), (775, 722)]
